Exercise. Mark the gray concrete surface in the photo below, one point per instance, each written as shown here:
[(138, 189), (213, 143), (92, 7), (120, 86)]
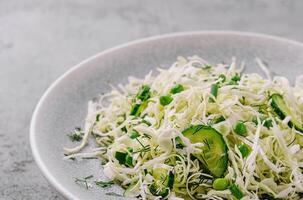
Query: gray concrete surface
[(39, 40)]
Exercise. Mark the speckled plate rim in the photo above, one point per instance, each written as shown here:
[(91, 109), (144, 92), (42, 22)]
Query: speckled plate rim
[(33, 134)]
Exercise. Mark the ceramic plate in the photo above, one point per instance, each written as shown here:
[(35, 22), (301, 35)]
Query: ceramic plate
[(64, 104)]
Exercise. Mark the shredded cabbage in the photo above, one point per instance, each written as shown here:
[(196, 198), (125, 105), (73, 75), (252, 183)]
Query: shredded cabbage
[(273, 167)]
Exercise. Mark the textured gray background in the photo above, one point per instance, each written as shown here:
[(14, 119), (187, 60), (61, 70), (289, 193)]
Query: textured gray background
[(39, 40)]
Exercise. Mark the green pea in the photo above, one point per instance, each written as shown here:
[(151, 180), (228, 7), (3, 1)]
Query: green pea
[(240, 128), (176, 89), (220, 184), (244, 150), (165, 100)]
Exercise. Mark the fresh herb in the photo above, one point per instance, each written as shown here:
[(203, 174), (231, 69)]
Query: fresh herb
[(83, 181), (113, 194), (76, 135), (145, 135), (89, 158), (240, 128), (165, 100), (146, 122), (104, 184), (176, 89)]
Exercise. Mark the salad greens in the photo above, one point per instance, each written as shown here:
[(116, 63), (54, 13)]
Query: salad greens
[(198, 131)]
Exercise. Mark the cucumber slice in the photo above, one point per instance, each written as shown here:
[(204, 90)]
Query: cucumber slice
[(214, 152), (281, 109), (163, 182)]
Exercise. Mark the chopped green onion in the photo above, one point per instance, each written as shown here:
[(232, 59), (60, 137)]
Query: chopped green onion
[(135, 109), (236, 191), (220, 184), (214, 90), (134, 134), (121, 157), (176, 89), (240, 128), (144, 93), (244, 150), (165, 100)]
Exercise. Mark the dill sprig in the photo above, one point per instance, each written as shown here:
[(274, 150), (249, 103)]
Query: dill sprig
[(104, 184), (76, 135), (83, 181)]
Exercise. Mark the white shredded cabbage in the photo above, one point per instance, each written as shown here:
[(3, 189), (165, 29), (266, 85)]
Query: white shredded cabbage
[(272, 168)]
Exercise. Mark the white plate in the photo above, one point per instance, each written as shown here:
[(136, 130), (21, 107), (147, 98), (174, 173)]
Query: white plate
[(64, 104)]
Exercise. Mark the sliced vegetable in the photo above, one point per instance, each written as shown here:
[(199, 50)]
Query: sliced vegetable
[(214, 151), (121, 157), (129, 161), (176, 89), (240, 128), (138, 108), (282, 110), (163, 182), (220, 184)]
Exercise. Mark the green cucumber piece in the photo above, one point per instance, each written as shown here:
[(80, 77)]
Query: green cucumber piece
[(163, 182), (282, 110), (214, 152)]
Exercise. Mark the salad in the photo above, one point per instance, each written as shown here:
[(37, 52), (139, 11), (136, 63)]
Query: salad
[(196, 131)]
